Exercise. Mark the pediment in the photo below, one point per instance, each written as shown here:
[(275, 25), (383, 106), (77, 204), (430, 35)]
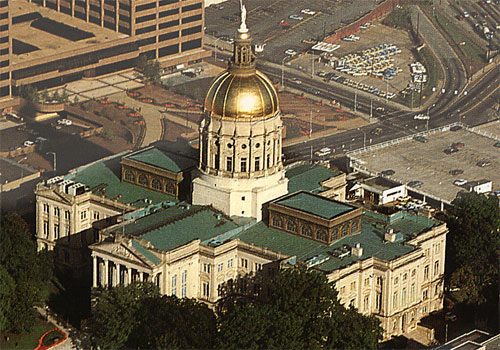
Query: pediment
[(123, 251)]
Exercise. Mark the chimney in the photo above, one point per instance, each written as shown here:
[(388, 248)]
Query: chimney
[(390, 236), (357, 250)]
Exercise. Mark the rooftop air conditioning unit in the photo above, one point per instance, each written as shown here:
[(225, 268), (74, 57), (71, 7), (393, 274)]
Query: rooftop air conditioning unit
[(390, 236), (55, 180), (357, 250), (64, 185)]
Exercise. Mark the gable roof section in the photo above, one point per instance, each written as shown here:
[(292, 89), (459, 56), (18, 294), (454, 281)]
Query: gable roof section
[(316, 205), (307, 177), (163, 159)]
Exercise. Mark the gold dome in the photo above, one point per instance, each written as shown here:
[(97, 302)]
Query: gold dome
[(241, 96)]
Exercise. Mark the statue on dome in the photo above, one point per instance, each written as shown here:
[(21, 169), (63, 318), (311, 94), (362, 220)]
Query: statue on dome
[(243, 26)]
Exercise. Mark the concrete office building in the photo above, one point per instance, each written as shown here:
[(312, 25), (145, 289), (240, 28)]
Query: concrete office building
[(55, 41)]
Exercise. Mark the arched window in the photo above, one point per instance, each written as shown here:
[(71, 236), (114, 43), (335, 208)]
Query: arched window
[(355, 226), (277, 221), (156, 184), (291, 225), (335, 233), (170, 188), (143, 180), (322, 235), (344, 230), (129, 176), (306, 230)]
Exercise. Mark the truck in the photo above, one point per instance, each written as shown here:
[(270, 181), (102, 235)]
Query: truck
[(487, 33)]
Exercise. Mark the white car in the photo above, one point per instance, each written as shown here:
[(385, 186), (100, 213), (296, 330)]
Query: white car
[(66, 122), (28, 143), (291, 52), (308, 12), (460, 182), (298, 18)]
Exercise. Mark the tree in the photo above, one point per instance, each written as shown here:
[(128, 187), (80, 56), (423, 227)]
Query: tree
[(136, 316), (472, 250), (150, 69), (29, 93), (24, 273), (297, 309)]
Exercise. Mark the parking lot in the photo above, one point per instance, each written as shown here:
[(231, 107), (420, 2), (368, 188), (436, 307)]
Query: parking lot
[(426, 162), (270, 22)]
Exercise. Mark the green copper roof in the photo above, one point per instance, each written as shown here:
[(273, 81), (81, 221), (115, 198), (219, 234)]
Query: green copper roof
[(150, 256), (307, 177), (164, 160), (371, 239), (315, 205), (103, 178), (194, 223)]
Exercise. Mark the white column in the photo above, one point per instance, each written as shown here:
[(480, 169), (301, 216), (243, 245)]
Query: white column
[(141, 276), (106, 273), (95, 271), (114, 274), (129, 275)]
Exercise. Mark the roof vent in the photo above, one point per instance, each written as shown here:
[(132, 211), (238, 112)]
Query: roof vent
[(391, 236), (218, 216), (316, 260), (342, 252), (357, 250)]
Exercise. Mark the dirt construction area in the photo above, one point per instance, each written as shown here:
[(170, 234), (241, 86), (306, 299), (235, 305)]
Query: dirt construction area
[(375, 35)]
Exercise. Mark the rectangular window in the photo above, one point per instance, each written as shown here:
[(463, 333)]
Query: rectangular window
[(244, 263), (378, 301), (145, 18), (412, 293), (230, 263), (56, 211), (96, 215), (220, 267), (140, 8), (184, 286), (405, 276), (168, 36), (45, 228), (353, 286), (183, 291), (168, 24), (425, 294), (342, 290), (258, 267), (436, 268), (56, 231), (229, 163), (191, 19), (396, 280), (184, 276), (426, 272), (395, 300), (192, 30), (206, 268), (168, 50), (145, 29), (257, 163), (174, 285), (438, 248), (379, 281), (268, 161), (166, 2), (206, 289), (366, 303), (243, 165), (403, 297), (45, 208), (191, 7), (191, 45), (83, 215), (66, 214), (169, 13)]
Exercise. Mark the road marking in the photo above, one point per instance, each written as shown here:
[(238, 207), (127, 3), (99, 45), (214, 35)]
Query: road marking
[(481, 101)]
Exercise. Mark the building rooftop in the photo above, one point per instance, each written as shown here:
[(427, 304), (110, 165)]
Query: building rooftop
[(103, 178), (316, 205), (371, 239), (380, 183), (412, 160), (172, 227), (50, 44), (475, 339), (308, 177), (11, 171), (163, 159), (141, 249)]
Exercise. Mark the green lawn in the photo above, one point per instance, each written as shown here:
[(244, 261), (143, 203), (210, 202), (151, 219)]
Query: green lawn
[(26, 340)]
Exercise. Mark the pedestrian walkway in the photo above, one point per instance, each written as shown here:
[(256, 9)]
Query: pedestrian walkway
[(75, 339)]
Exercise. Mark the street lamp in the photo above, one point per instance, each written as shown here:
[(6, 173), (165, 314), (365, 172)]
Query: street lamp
[(54, 154), (216, 48), (283, 72)]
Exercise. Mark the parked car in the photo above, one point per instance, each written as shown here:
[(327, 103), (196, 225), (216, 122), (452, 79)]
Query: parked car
[(460, 182), (298, 18), (450, 150), (66, 122), (456, 172), (28, 143), (483, 163), (496, 144), (455, 128), (457, 145), (291, 52), (415, 183), (450, 317), (323, 152), (376, 131), (420, 138), (388, 172)]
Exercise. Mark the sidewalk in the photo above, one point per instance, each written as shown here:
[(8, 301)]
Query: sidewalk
[(75, 340)]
